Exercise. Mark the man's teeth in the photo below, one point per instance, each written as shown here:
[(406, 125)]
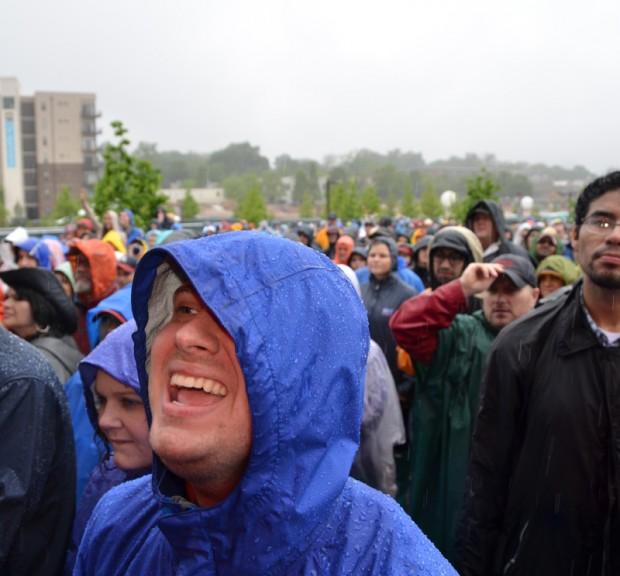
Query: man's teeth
[(204, 384)]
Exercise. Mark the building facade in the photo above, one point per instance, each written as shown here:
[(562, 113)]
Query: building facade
[(49, 142)]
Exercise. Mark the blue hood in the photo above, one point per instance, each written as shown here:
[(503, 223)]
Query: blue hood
[(118, 304), (301, 335), (115, 356)]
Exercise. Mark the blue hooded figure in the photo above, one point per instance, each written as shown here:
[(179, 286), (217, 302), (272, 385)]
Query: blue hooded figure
[(300, 338)]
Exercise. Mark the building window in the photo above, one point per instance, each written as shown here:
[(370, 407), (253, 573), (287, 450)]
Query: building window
[(8, 103)]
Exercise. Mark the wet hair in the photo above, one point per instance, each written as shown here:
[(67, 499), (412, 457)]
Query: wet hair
[(591, 192), (43, 313)]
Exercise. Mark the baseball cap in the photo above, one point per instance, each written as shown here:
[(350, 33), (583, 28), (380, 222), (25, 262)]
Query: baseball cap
[(519, 269)]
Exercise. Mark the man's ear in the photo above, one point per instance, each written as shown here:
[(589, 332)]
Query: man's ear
[(574, 237)]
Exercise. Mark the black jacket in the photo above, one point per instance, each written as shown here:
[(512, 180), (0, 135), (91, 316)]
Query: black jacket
[(382, 298), (37, 463), (505, 246), (542, 494)]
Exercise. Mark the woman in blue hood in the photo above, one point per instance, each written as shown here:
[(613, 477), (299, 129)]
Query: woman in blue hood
[(290, 314), (116, 411)]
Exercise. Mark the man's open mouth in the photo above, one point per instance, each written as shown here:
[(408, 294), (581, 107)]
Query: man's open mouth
[(190, 390)]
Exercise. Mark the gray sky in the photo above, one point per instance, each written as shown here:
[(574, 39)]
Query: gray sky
[(527, 80)]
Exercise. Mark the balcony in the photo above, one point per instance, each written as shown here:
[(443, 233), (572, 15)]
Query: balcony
[(89, 111)]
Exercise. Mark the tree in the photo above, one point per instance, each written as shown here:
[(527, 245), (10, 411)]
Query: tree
[(252, 206), (407, 204), (306, 210), (430, 205), (389, 209), (236, 187), (4, 213), (128, 182), (66, 205), (189, 207), (480, 187), (235, 160), (370, 200)]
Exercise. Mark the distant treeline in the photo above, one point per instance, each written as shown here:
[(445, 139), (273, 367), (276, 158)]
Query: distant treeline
[(392, 174)]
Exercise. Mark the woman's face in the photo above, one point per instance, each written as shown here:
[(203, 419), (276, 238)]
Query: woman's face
[(379, 261), (122, 420), (18, 316)]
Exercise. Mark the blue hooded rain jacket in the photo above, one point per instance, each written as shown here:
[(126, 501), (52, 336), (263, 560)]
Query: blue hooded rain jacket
[(301, 336)]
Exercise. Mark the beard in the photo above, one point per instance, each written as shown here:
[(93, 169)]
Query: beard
[(609, 281), (83, 286)]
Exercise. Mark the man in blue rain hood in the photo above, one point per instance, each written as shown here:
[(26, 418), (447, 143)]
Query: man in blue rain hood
[(251, 350)]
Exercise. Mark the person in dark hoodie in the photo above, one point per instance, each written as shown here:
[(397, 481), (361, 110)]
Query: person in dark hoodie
[(421, 258), (451, 250), (116, 411), (305, 235), (382, 295), (486, 220), (38, 310), (253, 435)]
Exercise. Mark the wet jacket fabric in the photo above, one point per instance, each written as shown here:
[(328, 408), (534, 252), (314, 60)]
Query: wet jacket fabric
[(61, 353), (36, 463), (88, 448), (544, 486), (449, 348), (382, 426), (382, 298), (295, 511), (497, 215)]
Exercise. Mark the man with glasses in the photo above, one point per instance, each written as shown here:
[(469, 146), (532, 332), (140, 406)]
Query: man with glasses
[(449, 346), (544, 477)]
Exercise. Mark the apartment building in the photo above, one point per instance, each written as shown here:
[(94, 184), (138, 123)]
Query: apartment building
[(48, 142)]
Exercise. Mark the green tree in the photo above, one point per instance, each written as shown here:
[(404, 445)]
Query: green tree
[(408, 205), (370, 200), (353, 208), (306, 210), (4, 213), (128, 182), (480, 187), (236, 187), (430, 205), (252, 206), (236, 159), (189, 207), (66, 205), (389, 208)]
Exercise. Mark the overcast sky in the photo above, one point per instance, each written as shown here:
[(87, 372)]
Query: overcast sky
[(527, 80)]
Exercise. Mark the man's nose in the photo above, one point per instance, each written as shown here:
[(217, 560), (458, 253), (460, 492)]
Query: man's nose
[(191, 337)]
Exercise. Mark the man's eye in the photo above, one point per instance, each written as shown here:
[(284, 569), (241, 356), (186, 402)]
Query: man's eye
[(604, 223), (183, 309)]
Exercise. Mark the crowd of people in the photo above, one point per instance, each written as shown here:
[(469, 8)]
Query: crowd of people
[(390, 396)]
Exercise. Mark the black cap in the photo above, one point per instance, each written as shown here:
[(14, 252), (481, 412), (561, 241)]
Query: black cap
[(519, 269), (45, 283)]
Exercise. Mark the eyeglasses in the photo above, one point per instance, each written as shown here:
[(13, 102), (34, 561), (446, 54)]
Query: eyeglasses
[(603, 225), (449, 255)]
